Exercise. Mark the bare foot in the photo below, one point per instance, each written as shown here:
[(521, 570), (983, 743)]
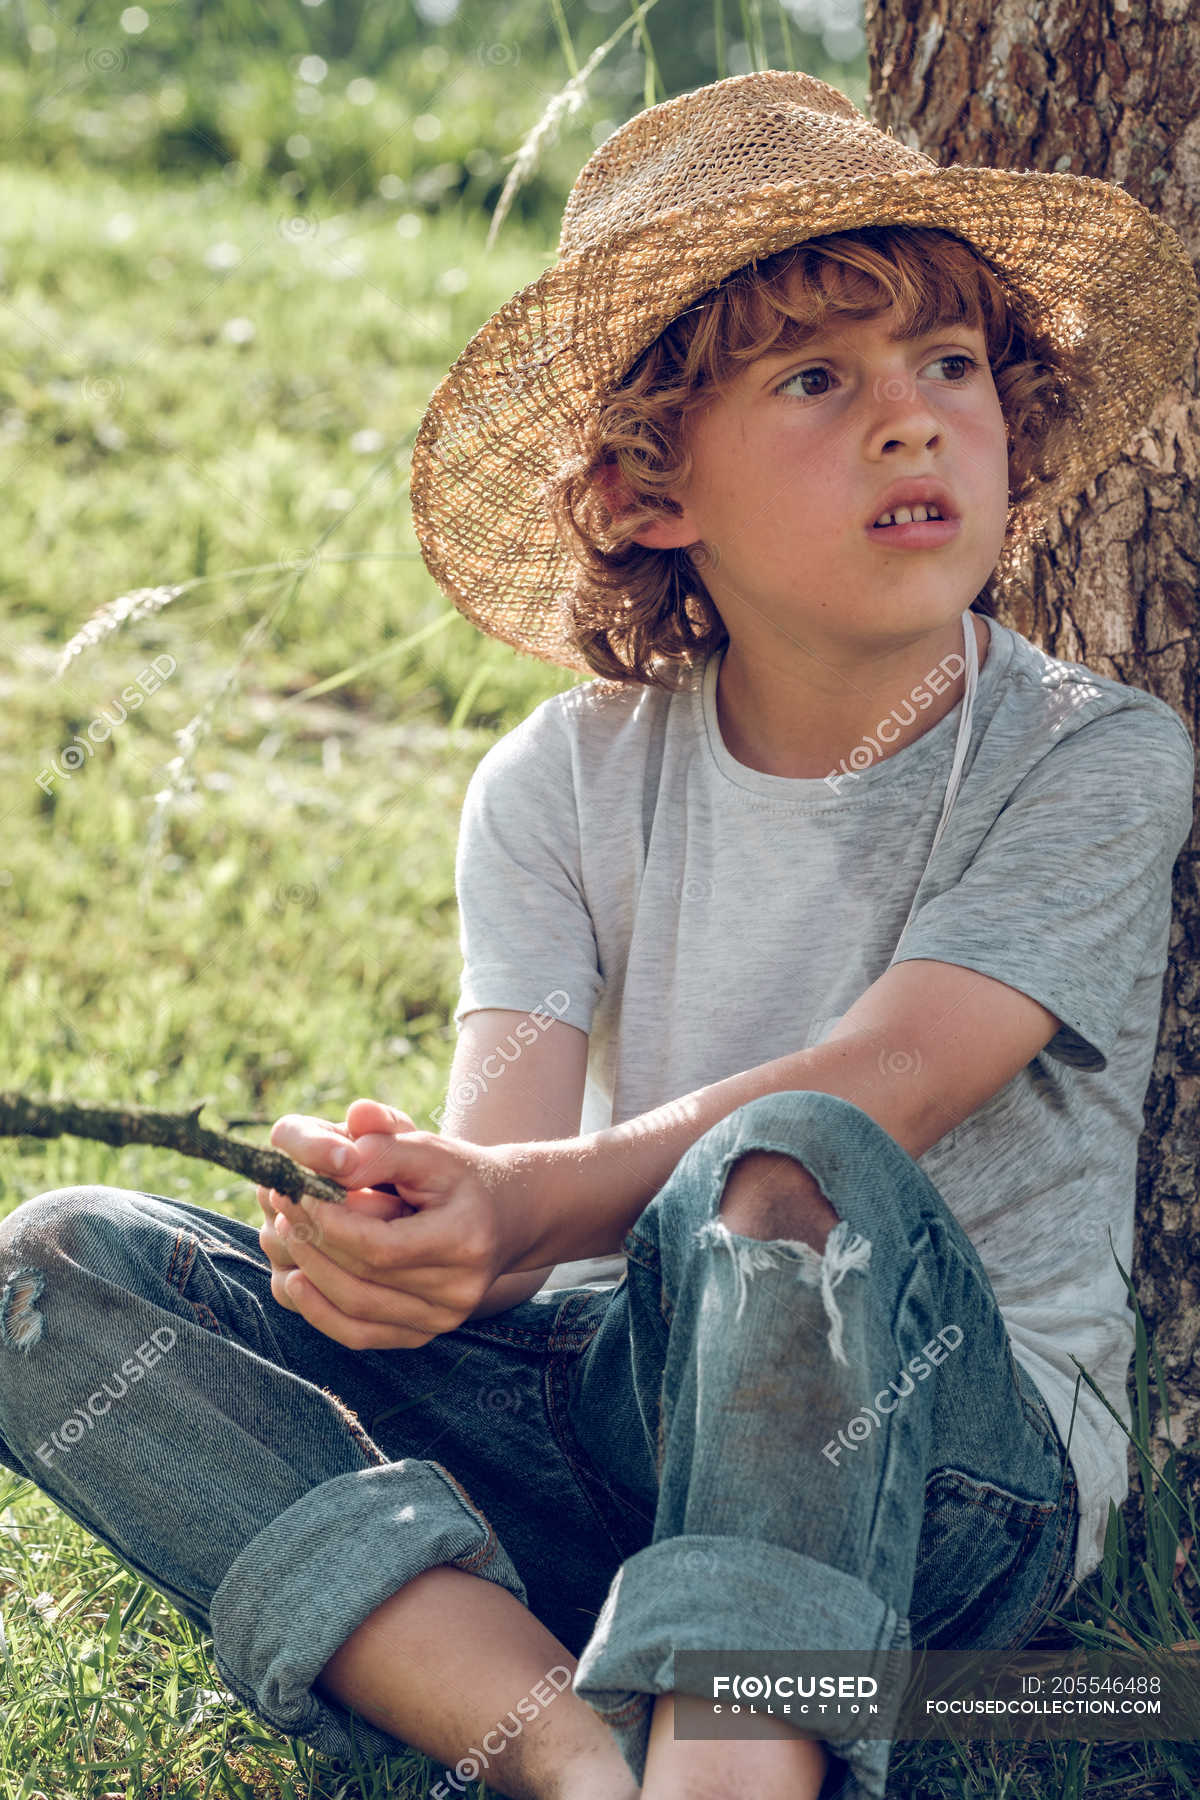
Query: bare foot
[(595, 1778), (787, 1766)]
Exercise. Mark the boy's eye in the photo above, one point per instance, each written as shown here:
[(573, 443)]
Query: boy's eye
[(968, 365), (955, 378), (803, 376)]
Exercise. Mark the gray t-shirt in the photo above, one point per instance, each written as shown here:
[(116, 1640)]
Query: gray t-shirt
[(618, 869)]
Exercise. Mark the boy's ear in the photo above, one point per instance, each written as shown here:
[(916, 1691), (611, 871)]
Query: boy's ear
[(666, 533)]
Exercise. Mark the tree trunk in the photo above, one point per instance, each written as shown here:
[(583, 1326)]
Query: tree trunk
[(1109, 92)]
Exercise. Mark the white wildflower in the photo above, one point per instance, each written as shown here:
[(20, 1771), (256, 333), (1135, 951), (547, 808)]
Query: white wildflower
[(568, 100), (134, 605), (546, 130)]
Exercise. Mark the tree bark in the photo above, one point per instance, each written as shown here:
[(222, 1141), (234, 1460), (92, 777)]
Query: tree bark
[(1107, 91)]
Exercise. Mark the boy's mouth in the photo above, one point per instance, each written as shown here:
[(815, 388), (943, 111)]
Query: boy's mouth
[(915, 514), (915, 534)]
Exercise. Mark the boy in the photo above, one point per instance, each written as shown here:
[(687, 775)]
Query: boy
[(832, 1010)]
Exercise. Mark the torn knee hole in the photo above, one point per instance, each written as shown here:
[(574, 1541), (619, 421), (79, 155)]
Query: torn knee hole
[(20, 1320), (846, 1252), (770, 1195)]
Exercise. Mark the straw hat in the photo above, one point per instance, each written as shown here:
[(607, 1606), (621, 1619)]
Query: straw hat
[(677, 199)]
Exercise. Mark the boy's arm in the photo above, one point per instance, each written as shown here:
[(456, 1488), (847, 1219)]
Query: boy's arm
[(922, 1049), (514, 1098), (1064, 904)]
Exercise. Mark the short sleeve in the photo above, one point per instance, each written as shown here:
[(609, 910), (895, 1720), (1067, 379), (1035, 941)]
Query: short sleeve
[(526, 934), (1068, 898)]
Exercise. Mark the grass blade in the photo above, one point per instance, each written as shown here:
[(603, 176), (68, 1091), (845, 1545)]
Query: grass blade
[(564, 37), (567, 100), (426, 631), (466, 699), (789, 58)]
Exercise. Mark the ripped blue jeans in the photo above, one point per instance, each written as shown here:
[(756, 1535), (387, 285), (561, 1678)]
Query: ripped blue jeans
[(727, 1450)]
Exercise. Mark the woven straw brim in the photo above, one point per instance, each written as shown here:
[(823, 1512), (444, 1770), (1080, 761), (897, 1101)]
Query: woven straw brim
[(1091, 267)]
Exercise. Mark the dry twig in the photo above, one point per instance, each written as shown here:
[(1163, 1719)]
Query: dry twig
[(22, 1115)]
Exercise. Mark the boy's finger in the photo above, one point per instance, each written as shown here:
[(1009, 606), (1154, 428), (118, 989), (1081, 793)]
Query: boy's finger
[(353, 1292), (370, 1246), (307, 1299), (305, 1230), (323, 1148), (273, 1246), (373, 1115), (412, 1160), (280, 1292)]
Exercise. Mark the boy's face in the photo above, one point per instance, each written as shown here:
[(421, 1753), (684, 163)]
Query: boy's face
[(792, 464)]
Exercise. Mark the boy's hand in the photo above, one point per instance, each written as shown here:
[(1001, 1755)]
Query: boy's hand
[(386, 1270), (324, 1138)]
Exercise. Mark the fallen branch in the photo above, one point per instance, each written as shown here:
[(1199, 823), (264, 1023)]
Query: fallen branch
[(23, 1116)]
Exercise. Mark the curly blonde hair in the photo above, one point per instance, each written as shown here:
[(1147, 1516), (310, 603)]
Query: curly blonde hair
[(638, 613)]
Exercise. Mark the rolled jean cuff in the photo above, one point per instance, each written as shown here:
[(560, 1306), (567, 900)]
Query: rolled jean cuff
[(303, 1585), (772, 1599)]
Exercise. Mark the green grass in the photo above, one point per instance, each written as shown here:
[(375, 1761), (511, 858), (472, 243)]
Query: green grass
[(293, 941), (338, 132), (308, 877), (280, 935)]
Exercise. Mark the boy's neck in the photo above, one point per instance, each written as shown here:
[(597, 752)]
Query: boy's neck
[(802, 718)]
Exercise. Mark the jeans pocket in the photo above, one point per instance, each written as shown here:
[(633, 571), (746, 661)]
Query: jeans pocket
[(983, 1560)]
